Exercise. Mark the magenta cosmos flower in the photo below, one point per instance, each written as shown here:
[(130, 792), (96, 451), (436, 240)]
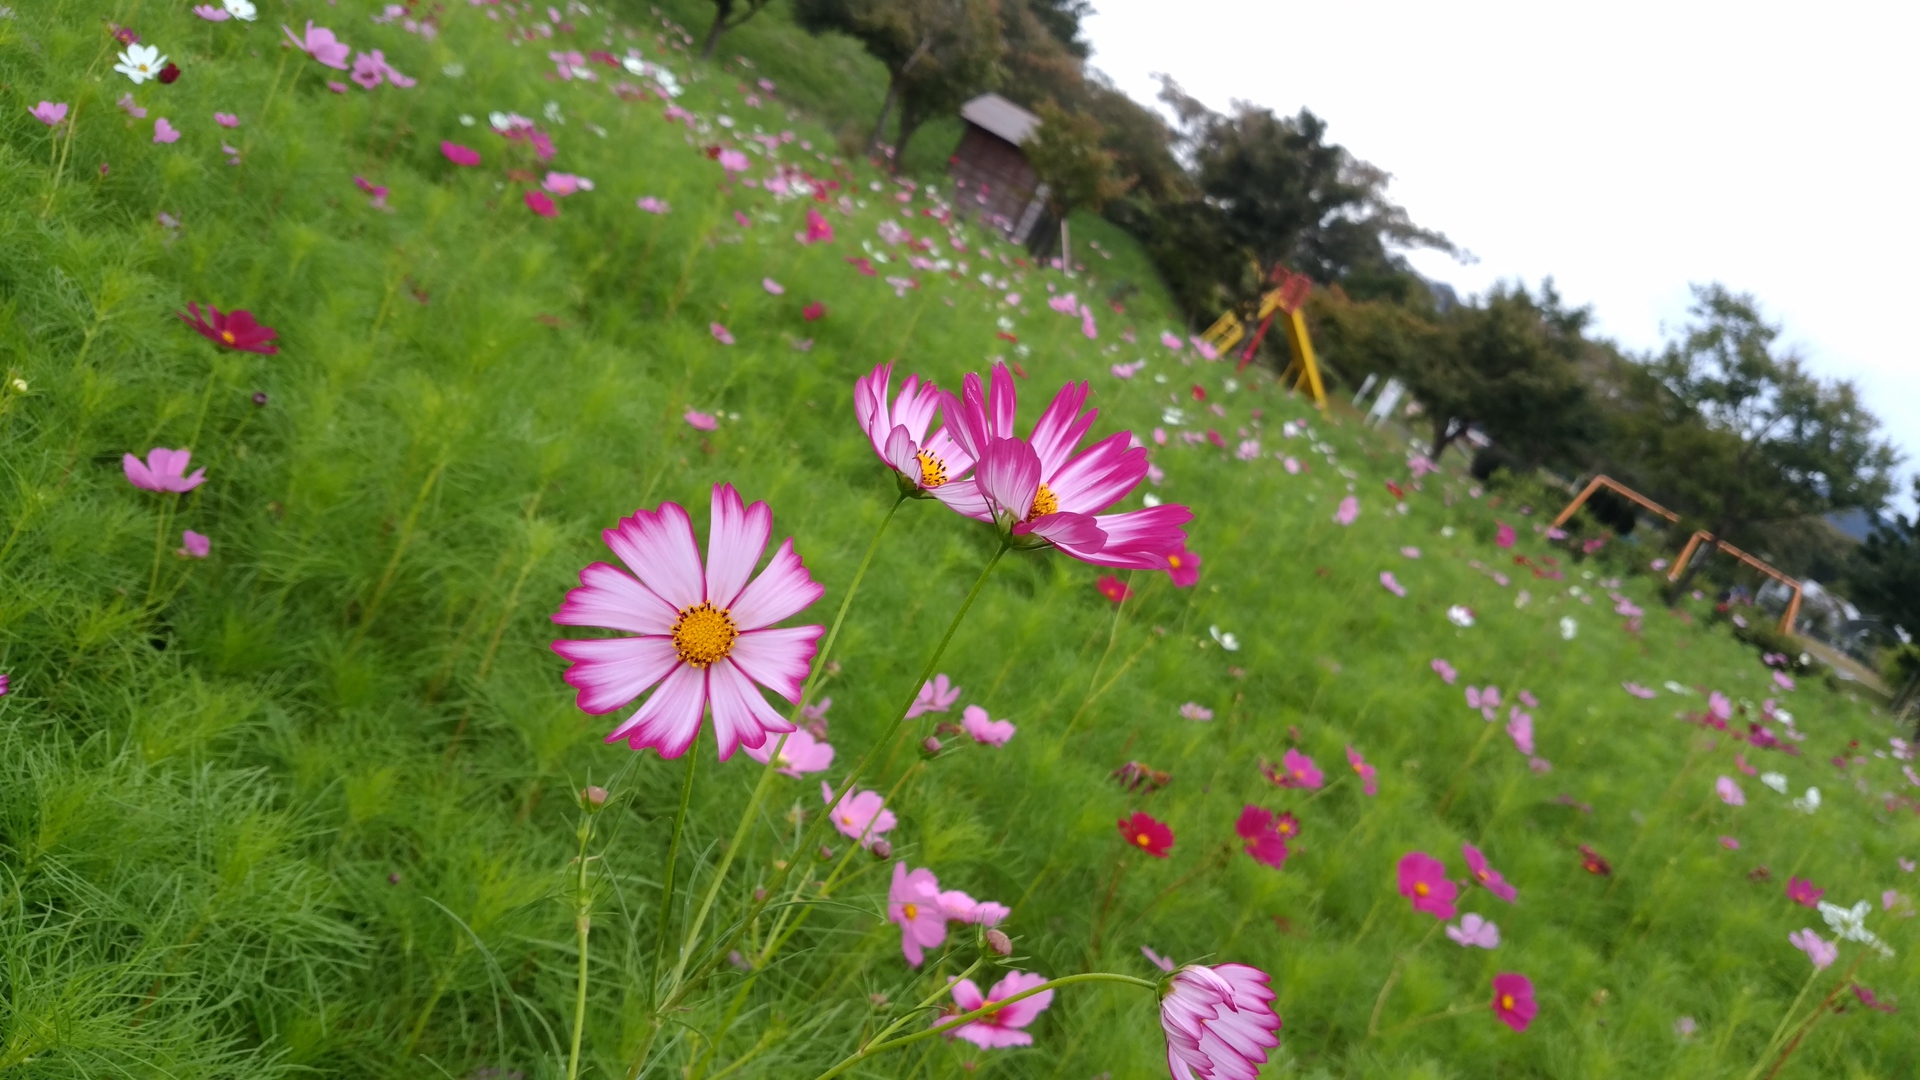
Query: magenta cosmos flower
[(862, 816), (234, 329), (194, 545), (1369, 781), (1265, 844), (1219, 1022), (320, 44), (1046, 494), (1001, 1028), (936, 695), (1149, 835), (1486, 875), (958, 907), (913, 903), (705, 636), (984, 729), (927, 466), (460, 155), (1423, 880), (164, 470), (801, 753), (1183, 567), (1296, 770), (1803, 892), (1513, 1003)]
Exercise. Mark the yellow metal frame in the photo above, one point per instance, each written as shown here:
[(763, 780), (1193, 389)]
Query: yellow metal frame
[(1228, 331)]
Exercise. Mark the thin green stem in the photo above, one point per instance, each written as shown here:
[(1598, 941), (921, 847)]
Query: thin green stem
[(988, 1009), (673, 858), (1113, 635), (582, 926), (1458, 1009), (1399, 966)]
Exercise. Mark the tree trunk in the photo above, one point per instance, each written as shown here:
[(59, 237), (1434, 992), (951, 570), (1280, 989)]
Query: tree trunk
[(886, 110), (1443, 435), (722, 9), (909, 123)]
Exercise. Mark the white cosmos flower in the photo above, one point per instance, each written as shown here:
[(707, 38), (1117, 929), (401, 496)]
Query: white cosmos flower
[(1776, 781), (1460, 615), (1809, 802), (1227, 641), (140, 63), (240, 9), (1568, 628), (1676, 688)]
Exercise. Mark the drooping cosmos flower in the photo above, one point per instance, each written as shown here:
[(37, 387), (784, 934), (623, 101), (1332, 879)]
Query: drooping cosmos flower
[(1872, 1001), (1391, 583), (320, 44), (1513, 1003), (140, 63), (1486, 875), (1113, 588), (194, 545), (1729, 791), (1265, 844), (1045, 494), (1822, 953), (561, 185), (936, 466), (460, 155), (979, 724), (862, 816), (936, 695), (801, 753), (235, 329), (165, 132), (226, 120), (1474, 931), (913, 903), (1296, 770), (720, 333), (1803, 892), (1195, 711), (1219, 1022), (1424, 882), (1368, 774), (819, 229), (1147, 834), (49, 113), (704, 636), (1001, 1028), (1183, 567), (1520, 729), (1638, 691), (164, 470)]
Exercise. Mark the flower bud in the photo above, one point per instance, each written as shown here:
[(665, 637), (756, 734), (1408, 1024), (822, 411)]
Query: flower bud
[(881, 850), (825, 853), (759, 894), (260, 398), (1000, 943), (593, 797), (931, 745), (393, 879)]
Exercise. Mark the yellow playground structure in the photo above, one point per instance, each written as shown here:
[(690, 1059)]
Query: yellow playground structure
[(1285, 300)]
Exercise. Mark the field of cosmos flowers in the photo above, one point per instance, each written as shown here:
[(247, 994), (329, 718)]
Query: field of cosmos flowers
[(516, 560)]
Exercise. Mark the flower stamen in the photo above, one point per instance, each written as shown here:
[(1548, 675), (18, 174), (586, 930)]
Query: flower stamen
[(933, 471), (704, 635), (1044, 502)]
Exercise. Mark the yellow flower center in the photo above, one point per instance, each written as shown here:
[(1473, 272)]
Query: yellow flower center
[(911, 911), (1481, 874), (1143, 840), (1044, 502), (1420, 888), (846, 819), (226, 336), (704, 635), (1173, 561), (933, 471), (1506, 1001)]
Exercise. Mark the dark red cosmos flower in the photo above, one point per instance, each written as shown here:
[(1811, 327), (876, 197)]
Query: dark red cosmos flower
[(234, 329), (1592, 863), (813, 311), (1870, 1000), (168, 74), (1113, 588), (1150, 836)]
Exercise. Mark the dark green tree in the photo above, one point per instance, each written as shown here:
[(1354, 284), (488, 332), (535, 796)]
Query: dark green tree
[(1884, 578), (728, 14)]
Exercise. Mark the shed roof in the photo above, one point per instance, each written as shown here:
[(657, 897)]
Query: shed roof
[(1000, 117)]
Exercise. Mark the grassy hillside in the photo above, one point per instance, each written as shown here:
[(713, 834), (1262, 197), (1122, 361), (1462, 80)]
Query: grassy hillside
[(306, 806)]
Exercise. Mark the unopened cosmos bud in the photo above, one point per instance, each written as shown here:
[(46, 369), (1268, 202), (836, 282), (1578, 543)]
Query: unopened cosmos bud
[(593, 797), (881, 850), (1000, 943)]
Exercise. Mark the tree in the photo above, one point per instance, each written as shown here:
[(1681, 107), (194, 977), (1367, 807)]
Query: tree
[(724, 20), (935, 51), (1885, 575), (1764, 439), (1066, 155)]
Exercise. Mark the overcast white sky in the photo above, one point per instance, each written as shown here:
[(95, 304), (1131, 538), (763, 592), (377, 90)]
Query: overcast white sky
[(1626, 149)]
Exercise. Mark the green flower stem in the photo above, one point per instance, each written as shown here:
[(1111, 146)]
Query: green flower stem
[(1399, 966), (1113, 635), (989, 1008), (1806, 1025), (582, 926), (673, 857), (1458, 1009)]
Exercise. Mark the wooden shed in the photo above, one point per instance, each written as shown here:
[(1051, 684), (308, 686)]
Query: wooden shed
[(992, 176)]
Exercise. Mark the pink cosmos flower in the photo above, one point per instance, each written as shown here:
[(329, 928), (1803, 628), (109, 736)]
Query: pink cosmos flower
[(1292, 465), (983, 728), (935, 466), (51, 113), (1204, 347), (1871, 1001), (1348, 511), (1527, 699), (957, 906), (1729, 792), (1297, 770), (652, 205), (1474, 931), (813, 311), (165, 132), (1219, 1022), (704, 636), (131, 107), (1513, 1003), (5, 685), (1444, 670), (460, 155), (913, 903), (1146, 833), (1782, 680), (1410, 552), (539, 203), (1520, 730), (211, 13), (720, 333), (368, 70), (936, 695), (1183, 568), (1154, 958), (1265, 844), (733, 161), (1822, 953), (1113, 588), (561, 185), (1730, 843), (164, 470), (226, 120), (1195, 711), (1368, 774), (1486, 875), (1423, 880), (236, 329), (320, 44), (1718, 706), (1002, 1028), (861, 816), (1087, 326), (819, 229), (1907, 865), (1391, 583), (1803, 892), (1171, 340), (1127, 371), (801, 753), (376, 193), (1637, 690), (773, 287), (336, 86), (1503, 537), (1048, 495), (194, 545), (701, 421), (1889, 899)]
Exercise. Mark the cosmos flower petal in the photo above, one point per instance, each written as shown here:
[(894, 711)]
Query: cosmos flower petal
[(1062, 426), (741, 717), (670, 720), (610, 672), (778, 659), (1009, 476), (659, 548), (1078, 531), (782, 589), (736, 539), (611, 598), (963, 497), (1100, 476)]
